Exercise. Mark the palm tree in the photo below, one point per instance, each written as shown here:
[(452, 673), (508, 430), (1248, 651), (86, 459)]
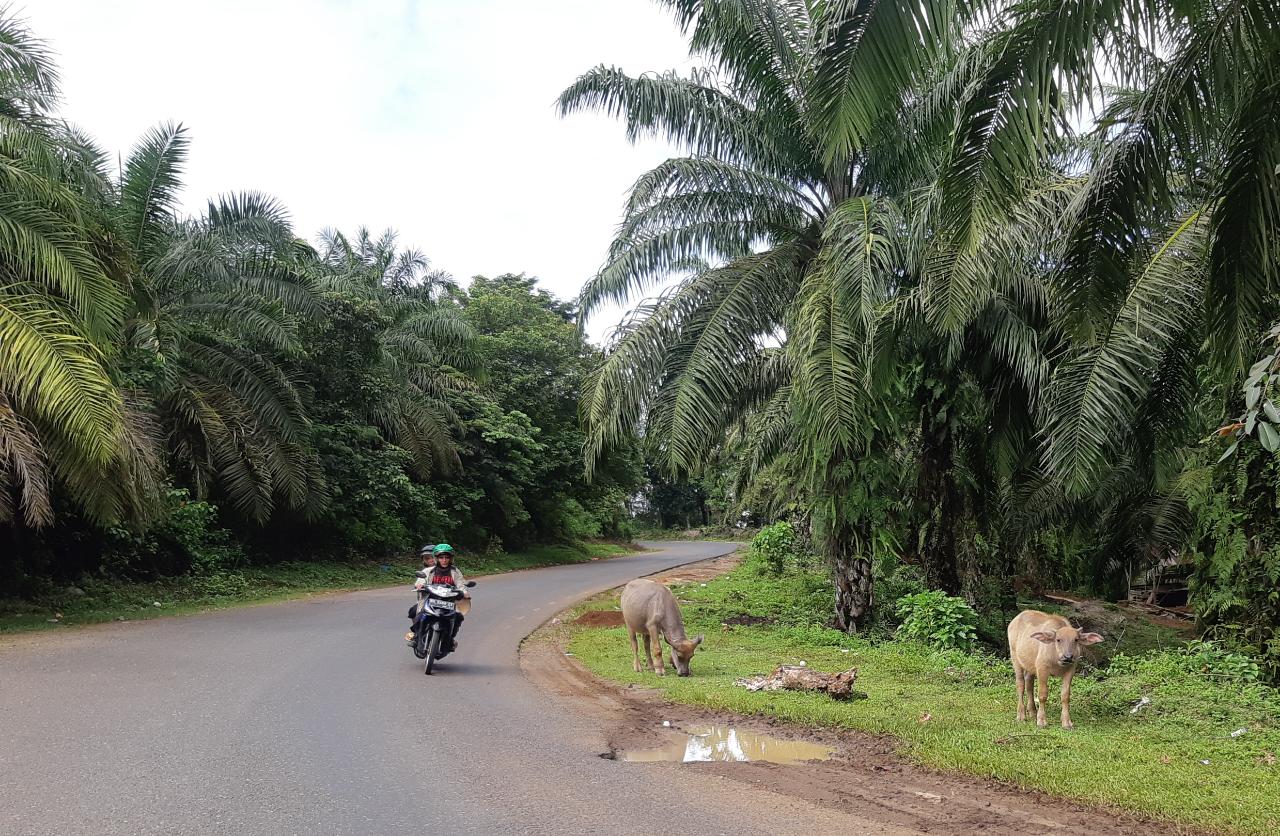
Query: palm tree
[(868, 187), (379, 265), (424, 347), (1165, 258), (1169, 255), (60, 305), (217, 301)]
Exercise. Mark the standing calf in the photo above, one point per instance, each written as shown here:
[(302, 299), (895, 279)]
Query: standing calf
[(650, 609), (1041, 646)]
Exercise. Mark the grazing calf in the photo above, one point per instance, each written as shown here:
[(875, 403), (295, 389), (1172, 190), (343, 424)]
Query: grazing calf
[(1041, 646), (650, 609)]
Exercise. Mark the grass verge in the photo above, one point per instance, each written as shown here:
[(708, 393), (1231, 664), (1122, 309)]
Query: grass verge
[(1174, 759), (112, 600)]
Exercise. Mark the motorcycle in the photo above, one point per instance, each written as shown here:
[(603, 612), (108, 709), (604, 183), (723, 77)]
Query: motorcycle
[(433, 625)]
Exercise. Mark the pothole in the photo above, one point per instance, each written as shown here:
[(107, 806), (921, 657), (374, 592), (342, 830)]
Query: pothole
[(726, 743)]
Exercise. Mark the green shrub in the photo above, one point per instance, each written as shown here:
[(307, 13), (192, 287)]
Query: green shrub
[(775, 549), (1204, 659), (1204, 686), (221, 584), (186, 539), (375, 507), (577, 522), (1235, 586), (938, 620)]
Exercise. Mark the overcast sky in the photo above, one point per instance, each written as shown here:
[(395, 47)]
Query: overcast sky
[(434, 117)]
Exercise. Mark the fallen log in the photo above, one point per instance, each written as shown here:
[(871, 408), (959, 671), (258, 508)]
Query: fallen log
[(1062, 599), (839, 686), (1156, 609)]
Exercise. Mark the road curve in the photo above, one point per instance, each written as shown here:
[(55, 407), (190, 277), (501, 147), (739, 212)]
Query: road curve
[(312, 717)]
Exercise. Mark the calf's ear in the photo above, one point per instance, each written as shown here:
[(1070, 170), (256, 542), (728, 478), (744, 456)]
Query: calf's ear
[(697, 640), (1090, 638), (1042, 636)]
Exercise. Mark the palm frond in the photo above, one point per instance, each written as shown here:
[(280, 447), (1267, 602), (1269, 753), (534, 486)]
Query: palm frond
[(837, 325), (1093, 395), (24, 470), (711, 374), (869, 55), (1243, 270), (149, 188), (689, 111), (49, 367), (43, 241), (31, 84)]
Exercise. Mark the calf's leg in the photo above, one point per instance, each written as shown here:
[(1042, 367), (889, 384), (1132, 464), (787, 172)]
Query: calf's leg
[(1042, 694), (648, 654), (656, 636), (635, 651), (1066, 699), (1021, 684)]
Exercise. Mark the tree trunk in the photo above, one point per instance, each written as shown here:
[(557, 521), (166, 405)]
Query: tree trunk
[(936, 493), (851, 573)]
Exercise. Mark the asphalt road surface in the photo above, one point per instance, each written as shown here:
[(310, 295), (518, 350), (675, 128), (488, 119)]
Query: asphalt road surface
[(312, 717)]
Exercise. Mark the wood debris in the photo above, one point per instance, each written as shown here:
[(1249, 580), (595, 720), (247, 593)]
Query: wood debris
[(838, 685)]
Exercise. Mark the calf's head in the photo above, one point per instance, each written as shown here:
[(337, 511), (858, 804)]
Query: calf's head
[(682, 652), (1067, 642)]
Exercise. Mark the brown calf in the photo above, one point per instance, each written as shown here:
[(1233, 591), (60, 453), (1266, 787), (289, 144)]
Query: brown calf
[(1043, 645), (650, 609)]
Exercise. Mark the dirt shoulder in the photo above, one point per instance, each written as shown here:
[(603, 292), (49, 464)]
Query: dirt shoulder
[(865, 776)]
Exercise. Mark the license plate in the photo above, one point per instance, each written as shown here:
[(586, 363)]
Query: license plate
[(443, 605)]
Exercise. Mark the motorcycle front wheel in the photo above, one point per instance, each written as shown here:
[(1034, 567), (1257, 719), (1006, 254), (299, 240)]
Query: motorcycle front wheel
[(420, 643), (433, 648)]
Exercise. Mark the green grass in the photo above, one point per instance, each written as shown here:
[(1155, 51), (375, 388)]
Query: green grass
[(1149, 763), (111, 600)]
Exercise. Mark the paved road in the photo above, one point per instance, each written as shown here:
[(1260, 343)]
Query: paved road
[(311, 717)]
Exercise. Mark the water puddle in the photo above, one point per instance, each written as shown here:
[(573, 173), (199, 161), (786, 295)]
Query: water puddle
[(725, 743)]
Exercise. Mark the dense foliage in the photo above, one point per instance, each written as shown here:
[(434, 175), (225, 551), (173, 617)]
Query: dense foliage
[(975, 279), (196, 394)]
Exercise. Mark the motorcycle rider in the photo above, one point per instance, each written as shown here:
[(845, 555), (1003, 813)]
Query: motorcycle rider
[(438, 568)]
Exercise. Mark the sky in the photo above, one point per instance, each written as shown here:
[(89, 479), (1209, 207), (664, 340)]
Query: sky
[(433, 117)]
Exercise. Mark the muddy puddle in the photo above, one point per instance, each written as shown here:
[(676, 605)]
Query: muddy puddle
[(726, 743)]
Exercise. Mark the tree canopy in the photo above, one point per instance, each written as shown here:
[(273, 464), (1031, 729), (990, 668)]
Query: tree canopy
[(979, 276), (164, 376)]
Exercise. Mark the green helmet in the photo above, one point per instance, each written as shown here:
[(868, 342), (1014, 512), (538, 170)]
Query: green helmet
[(443, 548)]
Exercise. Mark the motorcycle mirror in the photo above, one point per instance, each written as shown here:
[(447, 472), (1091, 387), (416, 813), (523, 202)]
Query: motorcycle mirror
[(471, 583)]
